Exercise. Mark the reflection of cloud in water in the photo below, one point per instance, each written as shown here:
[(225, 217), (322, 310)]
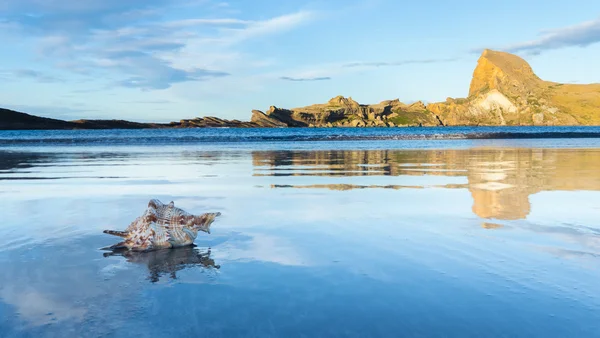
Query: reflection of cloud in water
[(38, 308), (586, 237), (259, 247), (566, 240), (573, 254)]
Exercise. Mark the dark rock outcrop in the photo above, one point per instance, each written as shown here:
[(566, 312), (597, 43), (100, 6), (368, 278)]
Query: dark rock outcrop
[(211, 122), (10, 119), (13, 120)]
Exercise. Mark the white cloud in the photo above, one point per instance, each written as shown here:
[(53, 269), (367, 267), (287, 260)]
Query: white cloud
[(128, 43), (275, 25), (331, 70), (201, 22), (580, 35)]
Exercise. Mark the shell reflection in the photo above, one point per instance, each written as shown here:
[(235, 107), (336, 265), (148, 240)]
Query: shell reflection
[(168, 261)]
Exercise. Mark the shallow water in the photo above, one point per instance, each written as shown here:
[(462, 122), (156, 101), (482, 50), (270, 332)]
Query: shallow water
[(353, 238)]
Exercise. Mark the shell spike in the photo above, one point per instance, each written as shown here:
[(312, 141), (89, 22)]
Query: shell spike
[(154, 204), (204, 221), (116, 233)]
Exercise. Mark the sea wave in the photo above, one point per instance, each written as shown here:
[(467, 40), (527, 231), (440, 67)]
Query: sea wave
[(152, 137)]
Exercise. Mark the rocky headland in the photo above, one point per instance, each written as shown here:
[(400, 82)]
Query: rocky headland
[(504, 91)]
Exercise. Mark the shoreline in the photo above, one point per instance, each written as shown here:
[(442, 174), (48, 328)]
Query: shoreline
[(308, 128)]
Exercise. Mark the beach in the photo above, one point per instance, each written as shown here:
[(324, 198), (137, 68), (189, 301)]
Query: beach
[(411, 232)]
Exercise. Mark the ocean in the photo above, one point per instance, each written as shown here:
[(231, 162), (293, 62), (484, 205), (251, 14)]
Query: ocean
[(358, 232)]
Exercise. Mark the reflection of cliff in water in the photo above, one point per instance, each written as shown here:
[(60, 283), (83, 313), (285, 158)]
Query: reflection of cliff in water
[(167, 261), (500, 180)]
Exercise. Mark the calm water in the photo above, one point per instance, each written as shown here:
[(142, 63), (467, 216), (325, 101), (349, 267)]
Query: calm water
[(324, 233)]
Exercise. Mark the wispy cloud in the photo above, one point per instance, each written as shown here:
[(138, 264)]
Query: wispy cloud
[(320, 72), (274, 25), (35, 75), (131, 44), (149, 72), (396, 63), (149, 101), (580, 35), (322, 78), (204, 22)]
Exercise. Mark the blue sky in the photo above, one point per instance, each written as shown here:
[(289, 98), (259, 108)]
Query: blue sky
[(164, 60)]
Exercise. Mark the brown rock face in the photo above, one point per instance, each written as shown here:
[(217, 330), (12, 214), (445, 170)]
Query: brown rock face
[(345, 112), (504, 72), (344, 102)]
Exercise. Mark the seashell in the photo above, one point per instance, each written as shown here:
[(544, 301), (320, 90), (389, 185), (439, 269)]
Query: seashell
[(162, 226)]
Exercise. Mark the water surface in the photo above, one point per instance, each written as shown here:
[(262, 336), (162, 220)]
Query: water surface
[(358, 237)]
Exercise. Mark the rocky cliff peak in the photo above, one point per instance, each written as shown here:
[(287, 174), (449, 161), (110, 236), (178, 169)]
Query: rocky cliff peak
[(419, 105), (505, 72), (271, 110), (342, 101), (393, 103)]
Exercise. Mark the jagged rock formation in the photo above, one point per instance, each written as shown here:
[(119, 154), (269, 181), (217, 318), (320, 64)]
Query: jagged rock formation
[(214, 122), (263, 120), (345, 112), (505, 91)]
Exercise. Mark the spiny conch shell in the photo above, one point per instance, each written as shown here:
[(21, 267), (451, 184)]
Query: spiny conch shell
[(162, 226)]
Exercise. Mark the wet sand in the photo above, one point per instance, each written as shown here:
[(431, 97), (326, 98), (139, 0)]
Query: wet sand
[(465, 241)]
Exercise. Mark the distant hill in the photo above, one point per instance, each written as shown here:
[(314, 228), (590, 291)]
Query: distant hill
[(13, 120), (504, 90), (10, 119)]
